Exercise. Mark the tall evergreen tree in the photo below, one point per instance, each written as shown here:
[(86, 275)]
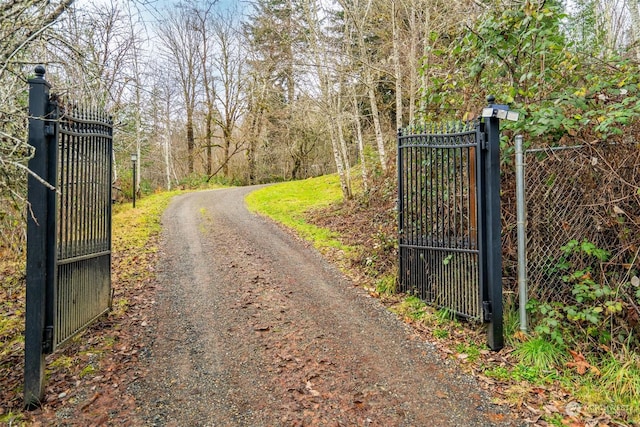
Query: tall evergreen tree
[(273, 35)]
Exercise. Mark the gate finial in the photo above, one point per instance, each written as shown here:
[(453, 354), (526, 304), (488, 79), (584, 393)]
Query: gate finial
[(40, 71)]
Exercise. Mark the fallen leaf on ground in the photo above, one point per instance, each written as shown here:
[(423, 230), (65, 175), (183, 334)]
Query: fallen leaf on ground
[(572, 409), (579, 363)]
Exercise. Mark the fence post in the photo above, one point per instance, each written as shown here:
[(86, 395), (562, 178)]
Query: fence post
[(522, 233), (491, 220), (40, 236)]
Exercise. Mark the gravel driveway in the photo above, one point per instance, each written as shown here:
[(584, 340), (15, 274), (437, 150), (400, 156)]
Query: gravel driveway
[(254, 328)]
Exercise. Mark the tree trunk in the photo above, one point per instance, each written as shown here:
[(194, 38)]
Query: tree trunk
[(320, 63), (368, 77), (425, 64), (251, 148), (255, 130), (209, 141), (413, 66), (635, 26), (363, 159), (376, 123), (167, 142), (190, 140), (335, 145), (343, 144), (396, 64), (226, 134)]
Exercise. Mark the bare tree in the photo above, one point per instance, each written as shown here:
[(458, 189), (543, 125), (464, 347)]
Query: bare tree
[(23, 23), (360, 141), (229, 65), (358, 13), (634, 13), (276, 33), (137, 79), (204, 20), (414, 40), (254, 123), (182, 43), (396, 63), (329, 97), (160, 111), (26, 26)]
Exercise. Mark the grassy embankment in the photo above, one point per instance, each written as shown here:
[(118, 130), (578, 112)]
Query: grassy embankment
[(288, 202)]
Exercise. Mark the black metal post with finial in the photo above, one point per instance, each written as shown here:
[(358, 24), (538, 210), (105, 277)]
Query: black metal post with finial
[(491, 242), (40, 236)]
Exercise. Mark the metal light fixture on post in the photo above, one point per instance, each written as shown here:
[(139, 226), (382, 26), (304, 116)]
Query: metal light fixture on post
[(134, 159)]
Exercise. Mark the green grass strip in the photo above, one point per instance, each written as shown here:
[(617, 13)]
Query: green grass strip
[(132, 228), (288, 202)]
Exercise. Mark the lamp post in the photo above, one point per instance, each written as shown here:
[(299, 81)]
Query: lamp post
[(134, 159)]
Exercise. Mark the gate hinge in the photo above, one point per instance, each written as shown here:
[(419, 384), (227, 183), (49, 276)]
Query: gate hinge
[(47, 342), (487, 311), (484, 143), (482, 137), (52, 116)]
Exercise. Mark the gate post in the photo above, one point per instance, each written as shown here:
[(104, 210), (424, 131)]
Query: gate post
[(491, 220), (40, 237)]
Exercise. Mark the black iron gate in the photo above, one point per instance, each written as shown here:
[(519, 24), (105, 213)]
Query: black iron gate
[(83, 286), (439, 252), (69, 226), (449, 218)]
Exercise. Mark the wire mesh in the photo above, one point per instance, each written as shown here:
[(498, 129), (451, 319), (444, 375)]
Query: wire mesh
[(579, 193)]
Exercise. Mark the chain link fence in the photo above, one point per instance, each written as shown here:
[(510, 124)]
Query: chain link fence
[(582, 193)]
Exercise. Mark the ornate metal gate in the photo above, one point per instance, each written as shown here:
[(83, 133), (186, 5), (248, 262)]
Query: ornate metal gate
[(438, 221), (83, 261), (450, 251), (68, 228)]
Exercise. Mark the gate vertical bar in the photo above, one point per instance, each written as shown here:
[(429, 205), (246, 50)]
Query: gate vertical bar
[(39, 239), (491, 241), (52, 226)]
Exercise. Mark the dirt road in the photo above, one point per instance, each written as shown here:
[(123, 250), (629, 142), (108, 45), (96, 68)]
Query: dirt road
[(254, 328)]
